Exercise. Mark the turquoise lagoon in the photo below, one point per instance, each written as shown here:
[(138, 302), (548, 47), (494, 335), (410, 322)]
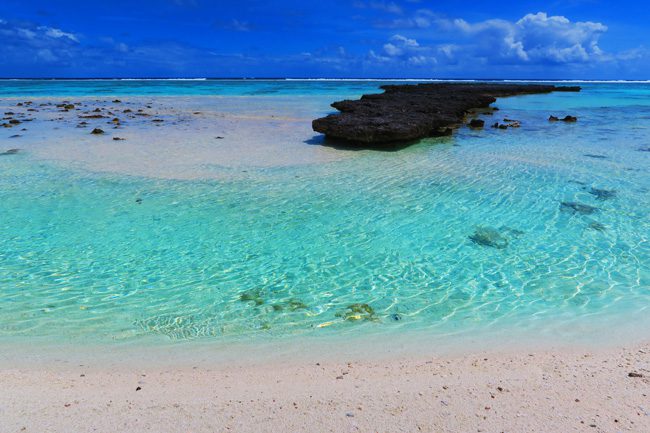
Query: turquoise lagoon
[(284, 251)]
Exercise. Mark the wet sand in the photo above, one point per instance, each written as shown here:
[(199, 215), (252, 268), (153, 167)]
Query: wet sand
[(167, 137), (551, 391)]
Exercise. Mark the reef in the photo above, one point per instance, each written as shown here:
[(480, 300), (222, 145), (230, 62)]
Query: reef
[(573, 207), (405, 113), (602, 194), (356, 312), (489, 237)]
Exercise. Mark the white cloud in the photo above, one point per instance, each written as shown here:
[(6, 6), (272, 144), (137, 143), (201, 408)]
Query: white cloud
[(57, 33), (35, 35), (535, 38), (399, 45), (25, 33), (400, 48)]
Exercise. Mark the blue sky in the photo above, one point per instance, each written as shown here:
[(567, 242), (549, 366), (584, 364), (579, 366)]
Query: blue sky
[(593, 39)]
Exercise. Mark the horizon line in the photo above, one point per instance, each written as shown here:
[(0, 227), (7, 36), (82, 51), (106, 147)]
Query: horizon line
[(311, 79)]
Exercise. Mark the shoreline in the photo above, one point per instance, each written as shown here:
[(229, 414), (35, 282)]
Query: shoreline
[(348, 343), (534, 391)]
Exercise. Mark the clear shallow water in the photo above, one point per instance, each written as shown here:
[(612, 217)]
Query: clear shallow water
[(285, 251)]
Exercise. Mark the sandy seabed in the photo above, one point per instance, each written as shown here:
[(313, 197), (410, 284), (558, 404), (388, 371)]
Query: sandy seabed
[(549, 391)]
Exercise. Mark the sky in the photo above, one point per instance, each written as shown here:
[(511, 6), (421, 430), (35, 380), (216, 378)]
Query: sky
[(554, 39)]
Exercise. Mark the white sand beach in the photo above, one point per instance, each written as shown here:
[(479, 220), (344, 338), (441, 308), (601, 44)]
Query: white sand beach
[(559, 390)]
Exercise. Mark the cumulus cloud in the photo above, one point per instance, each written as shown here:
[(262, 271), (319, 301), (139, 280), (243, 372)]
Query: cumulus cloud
[(402, 49), (399, 44), (534, 39)]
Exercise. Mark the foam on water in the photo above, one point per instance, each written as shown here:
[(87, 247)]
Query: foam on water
[(451, 235)]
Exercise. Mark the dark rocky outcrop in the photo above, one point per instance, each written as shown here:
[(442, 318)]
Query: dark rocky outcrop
[(97, 131), (476, 123), (564, 119), (409, 112)]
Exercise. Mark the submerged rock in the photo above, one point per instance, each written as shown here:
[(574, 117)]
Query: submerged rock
[(295, 305), (513, 232), (409, 112), (574, 207), (595, 225), (356, 312), (291, 305), (489, 237), (512, 123), (564, 119), (602, 194), (476, 123), (254, 296), (97, 131)]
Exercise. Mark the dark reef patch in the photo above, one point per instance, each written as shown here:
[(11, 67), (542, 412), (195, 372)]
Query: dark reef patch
[(574, 207), (602, 194), (591, 155)]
